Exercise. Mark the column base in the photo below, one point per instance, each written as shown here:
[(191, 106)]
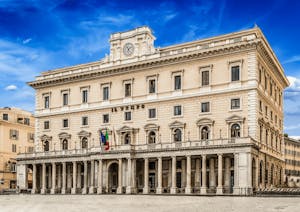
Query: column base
[(146, 190), (43, 191), (73, 191), (159, 190), (173, 190), (33, 191), (91, 190), (53, 191), (203, 190), (99, 190), (63, 191), (119, 190), (188, 190), (129, 190), (84, 191), (219, 190)]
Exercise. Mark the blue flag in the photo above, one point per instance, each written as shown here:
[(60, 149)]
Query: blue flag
[(103, 139)]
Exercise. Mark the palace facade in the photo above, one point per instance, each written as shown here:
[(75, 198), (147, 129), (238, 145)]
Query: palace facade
[(292, 162), (203, 117), (16, 136)]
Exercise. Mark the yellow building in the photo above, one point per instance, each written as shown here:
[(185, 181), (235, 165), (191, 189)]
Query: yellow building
[(292, 162), (16, 136), (198, 117)]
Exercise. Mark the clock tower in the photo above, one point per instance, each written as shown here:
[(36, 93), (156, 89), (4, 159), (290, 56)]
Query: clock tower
[(131, 44)]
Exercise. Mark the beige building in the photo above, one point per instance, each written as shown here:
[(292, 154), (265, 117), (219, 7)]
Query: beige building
[(16, 136), (199, 117), (292, 162)]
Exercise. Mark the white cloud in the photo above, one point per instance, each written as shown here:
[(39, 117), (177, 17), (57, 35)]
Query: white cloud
[(10, 88), (27, 40), (293, 59)]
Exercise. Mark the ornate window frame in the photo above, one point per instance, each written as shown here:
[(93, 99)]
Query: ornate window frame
[(206, 122), (45, 138), (177, 125), (235, 119), (151, 127), (208, 68), (125, 130), (233, 64), (84, 134), (64, 136)]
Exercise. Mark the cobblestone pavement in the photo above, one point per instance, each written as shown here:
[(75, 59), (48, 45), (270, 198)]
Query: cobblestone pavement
[(143, 203)]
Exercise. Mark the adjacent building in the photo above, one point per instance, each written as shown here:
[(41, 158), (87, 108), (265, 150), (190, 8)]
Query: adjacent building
[(198, 117), (292, 162), (16, 136)]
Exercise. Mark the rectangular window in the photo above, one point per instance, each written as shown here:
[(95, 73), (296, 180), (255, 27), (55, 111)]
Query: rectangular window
[(27, 121), (271, 88), (260, 106), (105, 118), (235, 73), (177, 81), (46, 102), (84, 96), (105, 93), (152, 113), (266, 110), (205, 78), (14, 148), (127, 89), (5, 117), (46, 125), (14, 134), (65, 99), (271, 115), (259, 76), (85, 121), (205, 107), (177, 110), (235, 103), (266, 82), (127, 116), (65, 123), (152, 87)]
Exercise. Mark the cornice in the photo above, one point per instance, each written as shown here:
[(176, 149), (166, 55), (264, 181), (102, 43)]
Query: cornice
[(151, 63)]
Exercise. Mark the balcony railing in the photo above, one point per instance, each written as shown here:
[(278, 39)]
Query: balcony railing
[(145, 147)]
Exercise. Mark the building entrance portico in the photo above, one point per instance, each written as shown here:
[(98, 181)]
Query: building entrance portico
[(113, 170)]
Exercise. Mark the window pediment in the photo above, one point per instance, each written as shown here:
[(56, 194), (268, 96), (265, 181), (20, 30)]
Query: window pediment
[(205, 121), (127, 129), (84, 133), (103, 130), (64, 135), (46, 138), (235, 118), (151, 126), (176, 124)]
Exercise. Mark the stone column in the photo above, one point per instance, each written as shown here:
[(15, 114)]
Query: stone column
[(203, 187), (49, 180), (146, 176), (133, 176), (33, 191), (79, 176), (227, 173), (220, 174), (212, 176), (159, 176), (120, 186), (173, 188), (129, 176), (84, 190), (63, 188), (69, 180), (100, 177), (188, 188), (74, 188), (43, 190), (59, 176), (197, 174), (256, 172), (183, 173), (236, 174), (53, 178), (91, 189)]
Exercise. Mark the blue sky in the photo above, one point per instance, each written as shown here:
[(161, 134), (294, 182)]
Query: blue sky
[(42, 35)]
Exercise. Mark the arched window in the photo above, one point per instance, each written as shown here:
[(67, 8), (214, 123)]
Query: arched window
[(84, 143), (127, 138), (151, 137), (65, 144), (204, 133), (177, 135), (272, 175), (235, 131), (46, 146)]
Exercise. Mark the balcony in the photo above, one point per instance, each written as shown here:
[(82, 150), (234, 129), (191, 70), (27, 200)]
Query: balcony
[(214, 143)]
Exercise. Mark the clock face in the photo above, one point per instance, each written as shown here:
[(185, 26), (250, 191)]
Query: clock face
[(128, 49)]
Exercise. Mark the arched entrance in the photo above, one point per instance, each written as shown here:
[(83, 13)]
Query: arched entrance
[(113, 178)]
